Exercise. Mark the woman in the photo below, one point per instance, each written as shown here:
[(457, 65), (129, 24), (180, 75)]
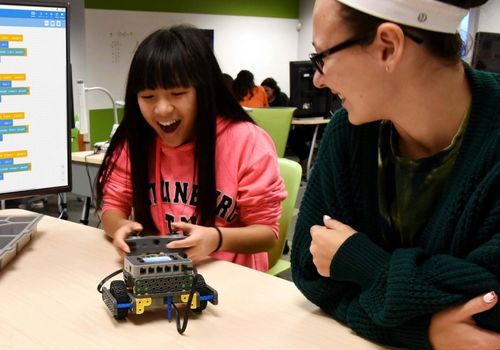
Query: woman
[(187, 158), (275, 96), (247, 93), (409, 170)]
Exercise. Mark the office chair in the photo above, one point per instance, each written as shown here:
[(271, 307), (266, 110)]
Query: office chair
[(291, 172), (276, 121)]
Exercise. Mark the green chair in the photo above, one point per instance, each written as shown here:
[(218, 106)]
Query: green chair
[(276, 121), (101, 123), (75, 147), (291, 172)]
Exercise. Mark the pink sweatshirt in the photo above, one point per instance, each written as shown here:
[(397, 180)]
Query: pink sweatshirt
[(248, 182)]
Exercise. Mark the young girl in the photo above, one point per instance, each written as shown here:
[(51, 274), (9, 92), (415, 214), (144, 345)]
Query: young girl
[(187, 158)]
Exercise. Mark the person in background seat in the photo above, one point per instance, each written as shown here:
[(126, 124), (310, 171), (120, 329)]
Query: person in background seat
[(247, 93), (275, 96)]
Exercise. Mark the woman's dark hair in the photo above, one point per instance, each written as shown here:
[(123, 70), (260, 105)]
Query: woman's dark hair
[(179, 56), (243, 84), (271, 83), (448, 47), (229, 81)]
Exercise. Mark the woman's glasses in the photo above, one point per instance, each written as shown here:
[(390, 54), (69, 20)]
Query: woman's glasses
[(318, 59)]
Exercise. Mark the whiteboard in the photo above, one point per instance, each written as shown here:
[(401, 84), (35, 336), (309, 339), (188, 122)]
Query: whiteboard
[(264, 46)]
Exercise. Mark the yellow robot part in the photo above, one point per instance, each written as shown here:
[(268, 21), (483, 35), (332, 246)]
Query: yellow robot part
[(140, 304), (194, 302)]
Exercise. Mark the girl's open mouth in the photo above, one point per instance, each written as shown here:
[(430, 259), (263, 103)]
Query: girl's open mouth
[(169, 126)]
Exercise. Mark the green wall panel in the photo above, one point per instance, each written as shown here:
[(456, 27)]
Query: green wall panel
[(256, 8)]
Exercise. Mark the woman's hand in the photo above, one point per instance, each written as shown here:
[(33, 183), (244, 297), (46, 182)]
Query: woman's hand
[(200, 242), (122, 233), (454, 328), (326, 240)]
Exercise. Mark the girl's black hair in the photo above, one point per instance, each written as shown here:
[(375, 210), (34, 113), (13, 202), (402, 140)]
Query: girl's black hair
[(243, 84), (448, 47), (179, 56)]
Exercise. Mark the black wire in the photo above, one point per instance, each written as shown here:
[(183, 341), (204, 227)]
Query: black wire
[(182, 328), (62, 202), (99, 286)]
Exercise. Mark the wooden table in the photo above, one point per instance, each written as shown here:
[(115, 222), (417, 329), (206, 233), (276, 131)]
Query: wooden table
[(50, 301), (316, 122)]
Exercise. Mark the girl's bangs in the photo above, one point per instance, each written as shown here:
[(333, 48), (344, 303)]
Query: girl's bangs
[(163, 69)]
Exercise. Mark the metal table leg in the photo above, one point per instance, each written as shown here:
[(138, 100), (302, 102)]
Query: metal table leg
[(311, 151)]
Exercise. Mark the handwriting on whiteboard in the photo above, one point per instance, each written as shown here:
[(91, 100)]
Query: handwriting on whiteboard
[(122, 45)]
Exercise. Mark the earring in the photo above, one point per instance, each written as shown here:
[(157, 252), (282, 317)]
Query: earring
[(387, 68)]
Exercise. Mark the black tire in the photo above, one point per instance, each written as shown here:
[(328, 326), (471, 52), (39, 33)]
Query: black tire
[(118, 290), (203, 306), (200, 282)]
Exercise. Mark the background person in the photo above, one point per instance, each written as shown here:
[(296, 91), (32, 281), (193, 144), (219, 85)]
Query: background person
[(275, 96), (247, 93), (186, 157), (398, 234)]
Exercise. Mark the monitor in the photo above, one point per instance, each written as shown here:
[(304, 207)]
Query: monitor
[(309, 100), (35, 99), (486, 53)]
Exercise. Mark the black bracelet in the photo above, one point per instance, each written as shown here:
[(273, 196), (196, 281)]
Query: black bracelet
[(220, 239)]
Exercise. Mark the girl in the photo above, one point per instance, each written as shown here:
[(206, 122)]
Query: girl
[(186, 157)]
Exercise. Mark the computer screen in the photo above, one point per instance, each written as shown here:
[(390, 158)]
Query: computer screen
[(35, 99), (309, 100), (486, 53)]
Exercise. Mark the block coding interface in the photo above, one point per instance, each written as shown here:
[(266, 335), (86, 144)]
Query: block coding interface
[(33, 98)]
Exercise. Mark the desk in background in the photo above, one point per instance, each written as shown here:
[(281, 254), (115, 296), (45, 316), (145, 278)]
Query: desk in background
[(51, 302), (316, 122), (84, 168)]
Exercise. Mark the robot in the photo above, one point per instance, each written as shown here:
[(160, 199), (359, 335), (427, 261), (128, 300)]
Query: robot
[(156, 277)]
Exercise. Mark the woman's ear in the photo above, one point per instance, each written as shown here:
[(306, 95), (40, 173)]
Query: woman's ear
[(390, 45)]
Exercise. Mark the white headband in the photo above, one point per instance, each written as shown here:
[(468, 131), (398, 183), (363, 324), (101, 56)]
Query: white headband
[(430, 15)]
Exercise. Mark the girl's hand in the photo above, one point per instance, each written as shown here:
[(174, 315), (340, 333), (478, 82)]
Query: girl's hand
[(454, 328), (326, 240), (122, 233), (200, 242)]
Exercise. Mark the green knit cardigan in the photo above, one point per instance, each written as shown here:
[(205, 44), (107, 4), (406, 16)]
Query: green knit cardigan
[(384, 292)]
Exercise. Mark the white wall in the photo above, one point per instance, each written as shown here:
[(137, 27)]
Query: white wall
[(261, 45), (305, 35), (489, 15)]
